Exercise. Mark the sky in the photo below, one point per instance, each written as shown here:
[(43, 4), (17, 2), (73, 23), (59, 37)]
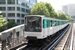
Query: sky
[(57, 4)]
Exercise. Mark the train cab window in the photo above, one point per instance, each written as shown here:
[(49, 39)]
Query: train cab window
[(33, 24)]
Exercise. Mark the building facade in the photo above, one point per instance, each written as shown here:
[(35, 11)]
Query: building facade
[(16, 9), (59, 11), (69, 10)]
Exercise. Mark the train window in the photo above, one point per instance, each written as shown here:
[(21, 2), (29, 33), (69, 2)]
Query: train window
[(33, 24), (43, 24), (51, 23), (58, 22), (61, 22), (55, 23), (47, 23)]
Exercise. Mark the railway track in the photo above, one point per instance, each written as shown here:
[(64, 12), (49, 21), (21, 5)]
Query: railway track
[(57, 40), (53, 44), (63, 44)]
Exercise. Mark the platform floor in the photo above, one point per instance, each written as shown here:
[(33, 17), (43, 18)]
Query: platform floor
[(74, 38), (74, 42)]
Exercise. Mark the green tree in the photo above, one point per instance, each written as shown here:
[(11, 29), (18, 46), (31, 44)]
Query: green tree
[(3, 22), (50, 9), (39, 9), (69, 18), (62, 16), (11, 24)]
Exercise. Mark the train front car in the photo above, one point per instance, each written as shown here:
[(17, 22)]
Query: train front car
[(33, 27)]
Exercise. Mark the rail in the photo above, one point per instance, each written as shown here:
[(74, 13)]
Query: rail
[(51, 47)]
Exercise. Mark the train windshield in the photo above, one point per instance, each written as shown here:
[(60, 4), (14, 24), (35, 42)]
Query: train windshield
[(33, 24)]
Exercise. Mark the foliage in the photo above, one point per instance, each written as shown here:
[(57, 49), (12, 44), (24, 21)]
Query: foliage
[(39, 9), (50, 9), (3, 23), (11, 24), (62, 16), (47, 10), (69, 18)]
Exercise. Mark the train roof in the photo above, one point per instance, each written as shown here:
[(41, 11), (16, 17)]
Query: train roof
[(46, 17)]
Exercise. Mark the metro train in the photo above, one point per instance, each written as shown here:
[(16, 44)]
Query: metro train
[(40, 26)]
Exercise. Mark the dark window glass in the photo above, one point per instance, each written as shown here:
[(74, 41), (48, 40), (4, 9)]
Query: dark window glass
[(58, 22), (22, 15), (11, 20), (11, 1), (4, 14), (18, 8), (51, 23), (27, 10), (33, 24), (18, 21), (23, 10), (18, 14), (22, 21), (11, 14), (47, 23), (23, 4), (43, 23), (11, 8), (55, 23), (2, 8), (2, 1)]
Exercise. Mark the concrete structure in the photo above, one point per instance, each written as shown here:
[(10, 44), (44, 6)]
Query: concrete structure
[(12, 37), (16, 9)]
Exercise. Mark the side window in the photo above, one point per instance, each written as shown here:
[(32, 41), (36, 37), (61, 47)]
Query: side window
[(58, 22), (51, 23), (55, 23), (43, 23), (47, 23), (62, 22)]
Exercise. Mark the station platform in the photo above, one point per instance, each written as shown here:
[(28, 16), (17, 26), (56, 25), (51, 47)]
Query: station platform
[(74, 38), (74, 42)]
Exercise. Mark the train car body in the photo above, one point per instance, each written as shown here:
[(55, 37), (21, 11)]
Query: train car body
[(40, 27)]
